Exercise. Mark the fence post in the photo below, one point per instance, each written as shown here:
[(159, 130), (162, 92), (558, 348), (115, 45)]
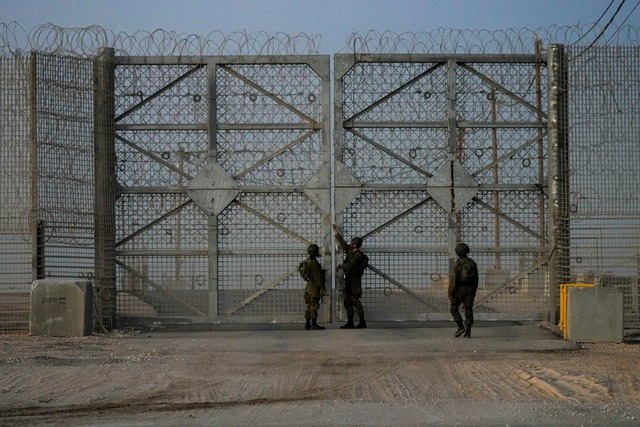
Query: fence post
[(36, 225), (558, 180), (105, 187)]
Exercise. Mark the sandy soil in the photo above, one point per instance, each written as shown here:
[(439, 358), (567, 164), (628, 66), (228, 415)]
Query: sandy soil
[(507, 373)]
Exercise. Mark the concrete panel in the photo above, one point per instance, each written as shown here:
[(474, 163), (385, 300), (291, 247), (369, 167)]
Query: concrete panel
[(595, 314), (61, 308)]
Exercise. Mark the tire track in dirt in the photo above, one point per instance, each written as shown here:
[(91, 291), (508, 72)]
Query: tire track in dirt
[(563, 385), (39, 385), (482, 380), (375, 380), (408, 380), (621, 385), (205, 391), (56, 384), (417, 381), (348, 384), (287, 377), (500, 378)]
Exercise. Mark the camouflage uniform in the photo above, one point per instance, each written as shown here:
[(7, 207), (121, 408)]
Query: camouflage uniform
[(314, 289), (353, 266), (463, 291)]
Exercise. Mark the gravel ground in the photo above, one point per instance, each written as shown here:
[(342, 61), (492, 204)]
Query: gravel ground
[(389, 374)]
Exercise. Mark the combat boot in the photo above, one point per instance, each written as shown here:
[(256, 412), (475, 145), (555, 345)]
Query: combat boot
[(349, 324), (467, 332), (361, 324), (460, 330), (307, 325), (315, 326)]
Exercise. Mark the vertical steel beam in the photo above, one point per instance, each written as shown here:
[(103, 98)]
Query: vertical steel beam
[(37, 260), (212, 220), (105, 186), (327, 157), (340, 70), (452, 124), (496, 170), (542, 223), (558, 131)]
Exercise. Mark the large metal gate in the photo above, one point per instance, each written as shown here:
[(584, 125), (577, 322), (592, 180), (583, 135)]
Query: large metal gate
[(223, 180), (433, 150), (214, 173), (225, 171)]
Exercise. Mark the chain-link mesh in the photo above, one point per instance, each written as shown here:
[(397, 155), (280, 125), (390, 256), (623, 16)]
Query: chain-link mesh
[(65, 165), (16, 183), (604, 91)]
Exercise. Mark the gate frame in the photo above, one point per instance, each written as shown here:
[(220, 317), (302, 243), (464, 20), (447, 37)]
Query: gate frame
[(318, 190), (557, 143)]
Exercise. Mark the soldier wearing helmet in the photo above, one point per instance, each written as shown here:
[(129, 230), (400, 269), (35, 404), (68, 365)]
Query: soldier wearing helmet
[(354, 265), (463, 284), (313, 275)]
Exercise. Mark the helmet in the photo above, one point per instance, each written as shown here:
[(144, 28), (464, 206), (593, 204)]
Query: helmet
[(357, 241), (462, 249), (313, 250)]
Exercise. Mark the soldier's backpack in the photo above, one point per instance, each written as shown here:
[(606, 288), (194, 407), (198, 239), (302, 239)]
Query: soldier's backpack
[(304, 270), (466, 271)]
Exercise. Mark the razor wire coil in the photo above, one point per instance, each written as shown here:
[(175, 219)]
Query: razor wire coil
[(85, 41)]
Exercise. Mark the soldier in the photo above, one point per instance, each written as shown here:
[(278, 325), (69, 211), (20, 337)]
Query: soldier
[(354, 264), (463, 284), (313, 274)]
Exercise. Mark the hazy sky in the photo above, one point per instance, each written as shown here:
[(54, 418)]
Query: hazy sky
[(333, 20)]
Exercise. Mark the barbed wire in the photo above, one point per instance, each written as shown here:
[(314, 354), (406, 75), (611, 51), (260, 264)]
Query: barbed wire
[(85, 42), (447, 41)]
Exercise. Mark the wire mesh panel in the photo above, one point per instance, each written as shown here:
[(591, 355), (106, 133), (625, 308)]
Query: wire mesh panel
[(16, 188), (263, 237), (447, 149), (48, 179), (272, 139), (217, 160), (161, 236), (65, 166), (605, 165)]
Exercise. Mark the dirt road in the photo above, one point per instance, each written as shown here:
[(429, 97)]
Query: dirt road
[(507, 373)]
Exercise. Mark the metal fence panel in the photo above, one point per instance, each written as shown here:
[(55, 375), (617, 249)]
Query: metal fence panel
[(65, 186), (604, 84), (47, 180), (446, 149), (15, 192), (217, 160)]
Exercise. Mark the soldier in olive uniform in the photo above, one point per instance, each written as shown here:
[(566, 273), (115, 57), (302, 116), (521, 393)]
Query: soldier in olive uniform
[(463, 284), (314, 289), (354, 264)]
